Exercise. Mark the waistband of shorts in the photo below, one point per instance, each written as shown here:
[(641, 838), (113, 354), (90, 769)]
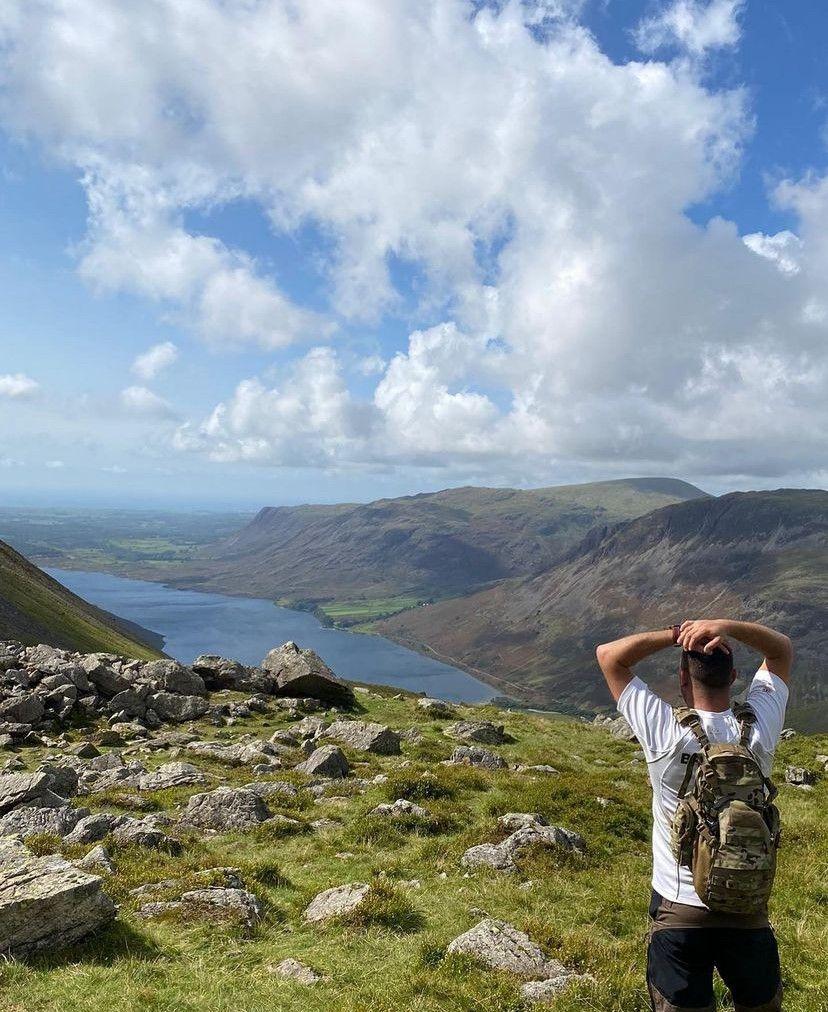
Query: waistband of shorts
[(665, 914)]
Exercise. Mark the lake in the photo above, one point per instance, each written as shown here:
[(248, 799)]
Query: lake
[(244, 628)]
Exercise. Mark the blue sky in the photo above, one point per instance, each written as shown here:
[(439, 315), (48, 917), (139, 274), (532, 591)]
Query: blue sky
[(370, 248)]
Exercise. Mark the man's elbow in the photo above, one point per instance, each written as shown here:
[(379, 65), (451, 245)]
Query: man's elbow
[(602, 652)]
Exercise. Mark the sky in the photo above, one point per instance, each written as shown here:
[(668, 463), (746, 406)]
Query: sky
[(274, 251)]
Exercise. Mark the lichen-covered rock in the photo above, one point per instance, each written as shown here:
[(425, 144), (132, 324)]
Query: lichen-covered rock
[(365, 737), (437, 708), (241, 754), (58, 818), (172, 774), (477, 730), (93, 827), (474, 755), (98, 860), (519, 820), (226, 809), (303, 673), (336, 902), (214, 903), (500, 946), (18, 788), (503, 856), (327, 761), (292, 969), (176, 709), (400, 808), (46, 903), (171, 676), (145, 833), (798, 776)]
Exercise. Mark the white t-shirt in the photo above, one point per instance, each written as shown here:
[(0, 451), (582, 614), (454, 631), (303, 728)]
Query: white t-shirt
[(667, 748)]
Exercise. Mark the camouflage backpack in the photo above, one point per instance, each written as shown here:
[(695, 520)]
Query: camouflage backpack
[(726, 826)]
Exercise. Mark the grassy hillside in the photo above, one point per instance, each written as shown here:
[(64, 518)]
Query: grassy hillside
[(755, 555), (420, 547), (590, 913), (34, 608)]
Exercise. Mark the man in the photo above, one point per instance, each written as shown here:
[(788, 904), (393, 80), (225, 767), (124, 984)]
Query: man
[(688, 940)]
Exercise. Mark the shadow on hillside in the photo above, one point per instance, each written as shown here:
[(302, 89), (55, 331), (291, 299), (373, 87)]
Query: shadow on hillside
[(110, 945)]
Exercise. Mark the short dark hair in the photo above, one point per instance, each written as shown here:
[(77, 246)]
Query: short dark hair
[(714, 670)]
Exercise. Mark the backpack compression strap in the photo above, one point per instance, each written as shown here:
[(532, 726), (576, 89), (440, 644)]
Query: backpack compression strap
[(746, 716), (688, 717)]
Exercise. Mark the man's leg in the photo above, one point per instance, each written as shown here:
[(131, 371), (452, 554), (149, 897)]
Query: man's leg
[(680, 970), (748, 961)]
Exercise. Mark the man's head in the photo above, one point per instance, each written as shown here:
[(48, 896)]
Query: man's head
[(706, 674)]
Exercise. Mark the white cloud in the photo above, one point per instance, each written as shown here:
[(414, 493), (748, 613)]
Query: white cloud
[(114, 469), (155, 360), (18, 385), (568, 311), (140, 400), (55, 465), (372, 365), (694, 25)]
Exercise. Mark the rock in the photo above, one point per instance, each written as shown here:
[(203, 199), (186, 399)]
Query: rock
[(63, 780), (145, 833), (336, 901), (98, 860), (176, 709), (233, 755), (787, 734), (546, 771), (174, 774), (101, 672), (500, 946), (473, 755), (519, 820), (131, 702), (327, 761), (275, 789), (503, 856), (119, 777), (303, 673), (619, 728), (798, 776), (171, 676), (542, 992), (22, 709), (226, 809), (400, 808), (284, 738), (225, 878), (18, 788), (477, 730), (365, 737), (93, 827), (46, 903), (215, 904), (292, 969), (437, 708), (220, 672), (6, 741), (488, 855)]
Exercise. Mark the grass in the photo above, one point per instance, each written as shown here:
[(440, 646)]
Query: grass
[(590, 912), (365, 610)]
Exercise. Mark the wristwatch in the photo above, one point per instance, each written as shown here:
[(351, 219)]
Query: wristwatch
[(675, 629)]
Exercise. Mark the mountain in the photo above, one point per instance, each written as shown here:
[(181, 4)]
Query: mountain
[(431, 545), (752, 555), (35, 608)]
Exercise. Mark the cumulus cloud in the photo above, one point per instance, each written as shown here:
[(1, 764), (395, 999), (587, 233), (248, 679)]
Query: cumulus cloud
[(140, 400), (155, 360), (18, 385), (693, 25), (567, 309)]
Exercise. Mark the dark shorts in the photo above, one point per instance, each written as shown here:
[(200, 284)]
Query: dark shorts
[(688, 943)]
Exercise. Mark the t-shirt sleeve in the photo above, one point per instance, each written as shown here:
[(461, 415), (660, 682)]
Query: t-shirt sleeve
[(650, 717), (768, 695)]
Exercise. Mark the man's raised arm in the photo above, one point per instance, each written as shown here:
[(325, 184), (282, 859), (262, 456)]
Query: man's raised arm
[(618, 658), (706, 634)]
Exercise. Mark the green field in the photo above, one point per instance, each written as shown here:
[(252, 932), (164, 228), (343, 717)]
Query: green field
[(360, 611), (590, 912)]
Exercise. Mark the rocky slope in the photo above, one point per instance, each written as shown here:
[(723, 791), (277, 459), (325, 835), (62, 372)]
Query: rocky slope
[(34, 607), (754, 555), (434, 544), (387, 851)]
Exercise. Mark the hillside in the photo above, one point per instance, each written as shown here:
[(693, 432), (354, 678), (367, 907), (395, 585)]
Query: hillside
[(216, 863), (425, 546), (753, 555), (35, 608)]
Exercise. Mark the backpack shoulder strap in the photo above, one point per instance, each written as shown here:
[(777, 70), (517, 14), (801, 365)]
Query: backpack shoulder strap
[(746, 716), (688, 717)]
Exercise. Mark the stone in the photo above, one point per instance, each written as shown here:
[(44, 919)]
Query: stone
[(119, 777), (275, 789), (130, 702), (336, 902), (477, 730), (303, 673), (292, 969), (215, 903), (145, 833), (172, 676), (488, 855), (503, 856), (365, 737), (101, 672), (175, 708), (18, 788), (519, 820), (787, 733), (501, 946), (97, 860), (233, 755), (619, 728), (172, 774), (327, 761), (543, 992), (473, 755), (93, 827), (437, 708), (62, 779), (33, 820), (220, 672), (226, 809), (400, 808), (22, 709), (46, 903), (798, 776), (542, 770)]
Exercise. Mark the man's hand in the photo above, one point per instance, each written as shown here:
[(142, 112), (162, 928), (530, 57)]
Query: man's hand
[(707, 634)]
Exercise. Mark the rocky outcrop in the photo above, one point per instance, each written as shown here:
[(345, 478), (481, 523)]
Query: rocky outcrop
[(472, 755), (477, 731), (327, 761), (301, 672), (46, 903), (226, 809), (532, 832), (214, 904), (173, 774), (501, 946), (365, 737)]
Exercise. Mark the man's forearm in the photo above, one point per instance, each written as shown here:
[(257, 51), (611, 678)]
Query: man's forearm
[(775, 646), (629, 650)]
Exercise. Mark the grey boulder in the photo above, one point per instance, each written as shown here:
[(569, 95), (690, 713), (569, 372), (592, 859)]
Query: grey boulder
[(501, 946), (226, 809), (327, 761), (365, 737), (301, 672), (336, 902), (477, 730)]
